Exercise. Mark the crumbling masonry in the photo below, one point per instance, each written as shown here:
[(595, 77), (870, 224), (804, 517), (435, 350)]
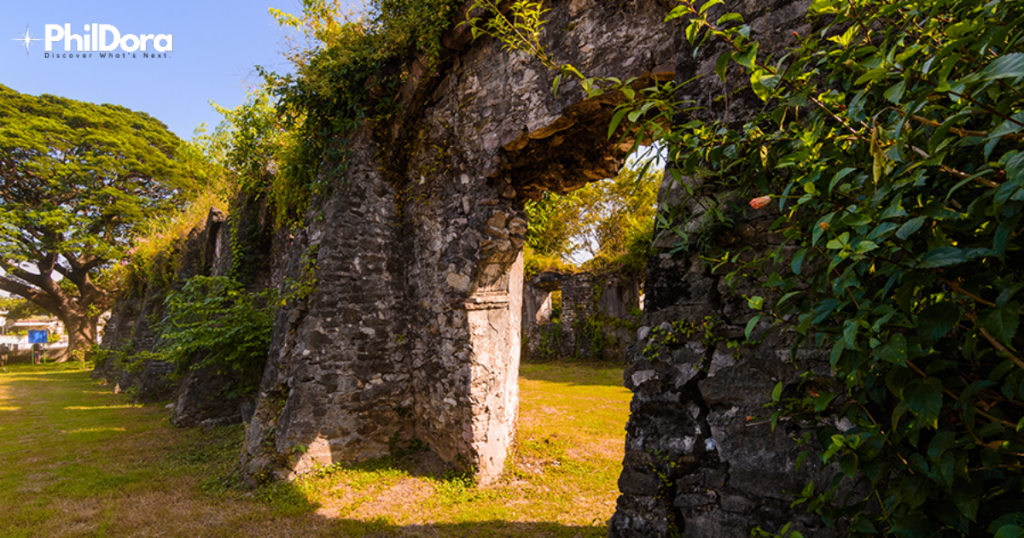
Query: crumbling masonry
[(412, 330)]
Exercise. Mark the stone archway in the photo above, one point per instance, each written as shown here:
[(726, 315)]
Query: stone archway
[(413, 331), (412, 328)]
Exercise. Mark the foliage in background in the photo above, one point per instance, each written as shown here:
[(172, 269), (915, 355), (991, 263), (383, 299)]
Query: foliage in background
[(76, 182), (213, 322), (242, 153), (612, 221), (618, 220), (154, 259), (19, 308), (348, 73), (257, 142), (535, 263), (553, 221), (891, 143)]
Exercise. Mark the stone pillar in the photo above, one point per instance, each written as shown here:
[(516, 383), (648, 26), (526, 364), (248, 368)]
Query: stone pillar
[(494, 323), (619, 295), (337, 382), (578, 304)]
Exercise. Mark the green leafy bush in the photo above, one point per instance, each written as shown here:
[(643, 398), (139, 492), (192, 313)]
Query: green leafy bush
[(890, 141), (214, 322), (891, 145), (346, 75)]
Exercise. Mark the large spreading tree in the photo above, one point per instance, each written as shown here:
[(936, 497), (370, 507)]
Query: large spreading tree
[(76, 181)]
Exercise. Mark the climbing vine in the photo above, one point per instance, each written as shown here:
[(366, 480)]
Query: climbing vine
[(349, 73), (890, 145)]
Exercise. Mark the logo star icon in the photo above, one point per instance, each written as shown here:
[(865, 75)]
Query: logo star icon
[(27, 39)]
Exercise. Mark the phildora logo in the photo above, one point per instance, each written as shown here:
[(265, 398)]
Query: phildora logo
[(103, 39)]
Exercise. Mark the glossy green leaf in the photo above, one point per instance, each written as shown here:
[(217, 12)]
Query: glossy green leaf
[(942, 257), (708, 5), (798, 260), (747, 56), (894, 351), (924, 399), (751, 324), (895, 92), (910, 227), (936, 321), (677, 12), (722, 65), (1001, 322), (1010, 531), (1007, 66)]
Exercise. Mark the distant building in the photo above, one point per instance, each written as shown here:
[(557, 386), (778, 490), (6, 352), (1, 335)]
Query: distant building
[(37, 323), (16, 332)]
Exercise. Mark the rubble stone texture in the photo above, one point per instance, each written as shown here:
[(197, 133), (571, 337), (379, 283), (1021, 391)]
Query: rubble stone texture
[(412, 330), (132, 327), (199, 397), (596, 309)]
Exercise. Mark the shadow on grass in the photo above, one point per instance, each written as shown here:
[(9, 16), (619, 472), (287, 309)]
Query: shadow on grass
[(605, 373), (289, 501), (369, 505), (478, 529), (96, 474)]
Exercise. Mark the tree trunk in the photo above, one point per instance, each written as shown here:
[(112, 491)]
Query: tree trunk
[(81, 331)]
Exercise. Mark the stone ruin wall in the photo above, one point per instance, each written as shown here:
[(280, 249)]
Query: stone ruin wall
[(132, 328), (132, 325), (607, 302), (413, 328)]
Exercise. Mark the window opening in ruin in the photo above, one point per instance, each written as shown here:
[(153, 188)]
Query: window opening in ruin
[(556, 307), (585, 258)]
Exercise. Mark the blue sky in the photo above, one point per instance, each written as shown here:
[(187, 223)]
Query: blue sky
[(216, 45)]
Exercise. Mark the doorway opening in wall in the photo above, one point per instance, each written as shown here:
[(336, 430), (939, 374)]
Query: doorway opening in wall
[(601, 226), (585, 258)]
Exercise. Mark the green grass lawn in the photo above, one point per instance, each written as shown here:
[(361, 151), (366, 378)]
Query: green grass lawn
[(77, 460)]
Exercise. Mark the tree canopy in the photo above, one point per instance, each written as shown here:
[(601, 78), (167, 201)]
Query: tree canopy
[(76, 181), (611, 221)]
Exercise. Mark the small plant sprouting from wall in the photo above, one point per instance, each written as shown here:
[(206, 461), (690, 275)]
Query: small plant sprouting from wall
[(305, 284)]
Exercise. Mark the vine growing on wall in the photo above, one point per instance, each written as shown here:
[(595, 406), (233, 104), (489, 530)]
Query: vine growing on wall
[(348, 73), (890, 142)]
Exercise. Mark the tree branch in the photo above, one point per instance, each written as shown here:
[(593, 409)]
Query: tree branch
[(38, 297)]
